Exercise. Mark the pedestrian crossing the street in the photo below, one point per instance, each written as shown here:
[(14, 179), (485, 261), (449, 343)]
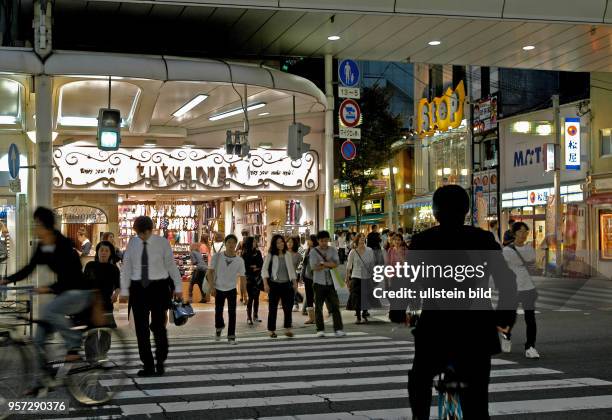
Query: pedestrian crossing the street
[(361, 376)]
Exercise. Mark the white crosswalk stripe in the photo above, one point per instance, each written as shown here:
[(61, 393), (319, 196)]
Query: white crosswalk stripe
[(360, 377)]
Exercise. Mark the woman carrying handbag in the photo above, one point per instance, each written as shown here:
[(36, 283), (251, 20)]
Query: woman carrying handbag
[(359, 269), (280, 283)]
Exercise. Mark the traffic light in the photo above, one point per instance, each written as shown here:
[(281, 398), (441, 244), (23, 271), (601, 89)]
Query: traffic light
[(109, 129), (296, 146), (237, 143)]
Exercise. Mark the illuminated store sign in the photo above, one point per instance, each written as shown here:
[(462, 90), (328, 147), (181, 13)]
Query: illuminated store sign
[(143, 169), (442, 113)]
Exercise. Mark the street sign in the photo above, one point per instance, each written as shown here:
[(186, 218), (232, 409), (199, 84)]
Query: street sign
[(350, 133), (348, 150), (347, 92), (350, 113), (348, 73), (13, 161), (15, 185)]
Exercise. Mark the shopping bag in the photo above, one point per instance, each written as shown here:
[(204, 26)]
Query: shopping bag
[(338, 280)]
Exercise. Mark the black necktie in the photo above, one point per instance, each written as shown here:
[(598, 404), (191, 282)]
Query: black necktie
[(144, 266)]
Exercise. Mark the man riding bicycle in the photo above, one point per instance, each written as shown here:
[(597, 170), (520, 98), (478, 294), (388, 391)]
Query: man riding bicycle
[(71, 289), (460, 333)]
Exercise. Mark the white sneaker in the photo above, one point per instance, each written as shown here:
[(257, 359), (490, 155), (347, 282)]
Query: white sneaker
[(532, 353), (296, 308), (340, 333), (218, 334), (321, 334)]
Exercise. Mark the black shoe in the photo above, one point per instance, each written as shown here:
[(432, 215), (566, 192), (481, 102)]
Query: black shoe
[(365, 314), (257, 319), (146, 373), (249, 322), (160, 369)]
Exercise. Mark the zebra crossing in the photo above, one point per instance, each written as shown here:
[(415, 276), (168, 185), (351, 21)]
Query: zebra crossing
[(360, 376)]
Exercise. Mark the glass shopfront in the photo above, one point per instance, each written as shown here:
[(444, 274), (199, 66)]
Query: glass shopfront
[(448, 160)]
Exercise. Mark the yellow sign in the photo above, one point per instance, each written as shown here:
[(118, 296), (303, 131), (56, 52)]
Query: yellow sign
[(441, 113)]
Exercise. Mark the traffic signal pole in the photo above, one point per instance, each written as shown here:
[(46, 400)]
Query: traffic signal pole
[(329, 145), (557, 185)]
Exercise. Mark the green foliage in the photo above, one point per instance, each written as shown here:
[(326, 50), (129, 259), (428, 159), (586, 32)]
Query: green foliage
[(379, 130)]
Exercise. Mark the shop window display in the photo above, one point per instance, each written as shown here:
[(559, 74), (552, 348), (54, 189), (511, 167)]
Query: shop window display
[(605, 234)]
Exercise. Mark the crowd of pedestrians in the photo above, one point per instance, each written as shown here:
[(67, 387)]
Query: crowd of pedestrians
[(146, 276)]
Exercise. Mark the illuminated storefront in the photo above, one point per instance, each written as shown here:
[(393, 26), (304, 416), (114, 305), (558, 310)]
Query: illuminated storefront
[(527, 189)]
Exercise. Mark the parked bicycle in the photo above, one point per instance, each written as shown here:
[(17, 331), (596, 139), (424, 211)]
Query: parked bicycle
[(91, 380)]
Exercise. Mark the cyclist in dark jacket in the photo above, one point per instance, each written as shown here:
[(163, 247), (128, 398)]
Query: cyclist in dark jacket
[(71, 289), (469, 335)]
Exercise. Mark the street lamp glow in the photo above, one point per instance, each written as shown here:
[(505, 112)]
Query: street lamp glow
[(528, 47), (522, 126), (544, 129), (333, 37), (434, 43)]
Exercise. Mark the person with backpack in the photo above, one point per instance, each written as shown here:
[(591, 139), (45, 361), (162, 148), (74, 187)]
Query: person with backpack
[(225, 269), (280, 283), (520, 257), (323, 259)]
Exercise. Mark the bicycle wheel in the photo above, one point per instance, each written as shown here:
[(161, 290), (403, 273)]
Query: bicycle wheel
[(102, 372), (16, 372)]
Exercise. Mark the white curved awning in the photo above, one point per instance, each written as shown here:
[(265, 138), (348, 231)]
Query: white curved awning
[(19, 60)]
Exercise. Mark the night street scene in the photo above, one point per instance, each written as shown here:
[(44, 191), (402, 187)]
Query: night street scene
[(306, 210)]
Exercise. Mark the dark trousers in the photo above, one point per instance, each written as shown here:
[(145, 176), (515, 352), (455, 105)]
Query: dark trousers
[(308, 289), (358, 296), (527, 299), (283, 292), (151, 303), (474, 370), (253, 301), (220, 298), (327, 295), (197, 278), (341, 255)]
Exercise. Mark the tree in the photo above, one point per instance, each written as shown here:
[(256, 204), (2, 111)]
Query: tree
[(379, 130)]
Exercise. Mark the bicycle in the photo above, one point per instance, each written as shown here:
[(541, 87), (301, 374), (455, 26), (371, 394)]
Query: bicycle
[(449, 386), (92, 380)]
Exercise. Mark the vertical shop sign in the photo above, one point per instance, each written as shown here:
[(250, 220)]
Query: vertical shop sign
[(572, 144)]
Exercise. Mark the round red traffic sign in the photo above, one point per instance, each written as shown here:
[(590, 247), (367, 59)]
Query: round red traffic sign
[(348, 150), (350, 113)]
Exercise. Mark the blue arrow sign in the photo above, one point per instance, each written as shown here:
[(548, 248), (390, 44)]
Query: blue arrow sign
[(13, 161), (348, 73)]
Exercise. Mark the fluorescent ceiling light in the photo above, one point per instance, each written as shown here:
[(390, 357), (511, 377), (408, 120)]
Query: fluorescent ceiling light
[(83, 121), (263, 114), (187, 145), (8, 119), (528, 47), (434, 43), (79, 121), (190, 105), (150, 142), (32, 136), (265, 145), (236, 111), (333, 37)]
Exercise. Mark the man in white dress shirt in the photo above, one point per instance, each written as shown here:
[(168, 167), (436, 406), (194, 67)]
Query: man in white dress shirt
[(148, 276)]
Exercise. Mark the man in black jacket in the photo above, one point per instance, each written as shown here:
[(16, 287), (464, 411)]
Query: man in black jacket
[(468, 335), (71, 289)]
